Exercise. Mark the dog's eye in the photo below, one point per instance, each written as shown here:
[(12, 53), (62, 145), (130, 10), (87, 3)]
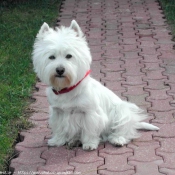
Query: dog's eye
[(68, 56), (52, 57)]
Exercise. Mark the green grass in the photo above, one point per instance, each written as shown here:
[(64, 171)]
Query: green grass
[(19, 24), (169, 11)]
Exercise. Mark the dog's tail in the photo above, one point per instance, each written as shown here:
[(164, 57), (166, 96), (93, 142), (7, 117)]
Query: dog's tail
[(134, 116), (147, 126)]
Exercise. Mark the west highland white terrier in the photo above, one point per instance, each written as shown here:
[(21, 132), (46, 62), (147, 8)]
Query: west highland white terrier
[(81, 108)]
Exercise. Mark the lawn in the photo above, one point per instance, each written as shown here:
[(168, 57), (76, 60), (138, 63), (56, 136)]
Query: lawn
[(19, 24), (169, 11)]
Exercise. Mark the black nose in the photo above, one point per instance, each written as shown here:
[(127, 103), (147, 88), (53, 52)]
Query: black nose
[(60, 70)]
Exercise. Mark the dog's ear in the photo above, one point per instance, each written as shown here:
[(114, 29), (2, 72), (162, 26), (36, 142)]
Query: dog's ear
[(44, 28), (74, 26)]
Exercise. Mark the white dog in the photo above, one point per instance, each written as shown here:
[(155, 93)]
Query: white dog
[(81, 109)]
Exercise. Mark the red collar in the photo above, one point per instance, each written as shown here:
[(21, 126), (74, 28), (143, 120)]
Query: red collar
[(65, 90)]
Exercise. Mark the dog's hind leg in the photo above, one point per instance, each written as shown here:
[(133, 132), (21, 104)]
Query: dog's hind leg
[(128, 120), (118, 141)]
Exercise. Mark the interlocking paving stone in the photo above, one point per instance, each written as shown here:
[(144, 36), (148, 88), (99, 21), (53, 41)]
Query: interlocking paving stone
[(145, 137), (144, 151), (54, 155), (135, 90), (156, 84), (132, 62), (138, 100), (41, 104), (145, 168), (134, 80), (167, 145), (132, 55), (169, 159), (86, 157), (114, 86), (167, 171), (151, 66), (113, 76), (112, 67), (133, 71), (151, 58), (87, 168), (39, 116), (155, 94), (164, 117), (110, 149), (117, 162), (25, 168), (107, 172), (161, 104), (33, 140), (155, 75), (55, 169), (29, 156), (166, 130)]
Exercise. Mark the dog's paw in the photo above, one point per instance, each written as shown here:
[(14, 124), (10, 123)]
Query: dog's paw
[(120, 141), (89, 146), (51, 142)]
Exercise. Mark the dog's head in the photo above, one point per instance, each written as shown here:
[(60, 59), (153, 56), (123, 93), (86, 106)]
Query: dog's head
[(61, 57)]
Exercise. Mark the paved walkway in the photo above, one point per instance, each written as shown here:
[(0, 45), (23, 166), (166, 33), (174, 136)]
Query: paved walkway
[(132, 55)]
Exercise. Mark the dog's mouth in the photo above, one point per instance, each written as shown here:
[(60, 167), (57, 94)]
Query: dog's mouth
[(60, 76), (59, 81)]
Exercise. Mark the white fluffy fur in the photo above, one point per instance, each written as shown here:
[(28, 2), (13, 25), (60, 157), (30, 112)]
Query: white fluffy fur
[(91, 112)]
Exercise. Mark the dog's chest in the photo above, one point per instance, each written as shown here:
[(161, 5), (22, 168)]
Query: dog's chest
[(71, 111), (75, 111)]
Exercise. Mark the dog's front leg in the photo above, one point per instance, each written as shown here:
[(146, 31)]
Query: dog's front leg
[(90, 142), (93, 124), (56, 123)]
